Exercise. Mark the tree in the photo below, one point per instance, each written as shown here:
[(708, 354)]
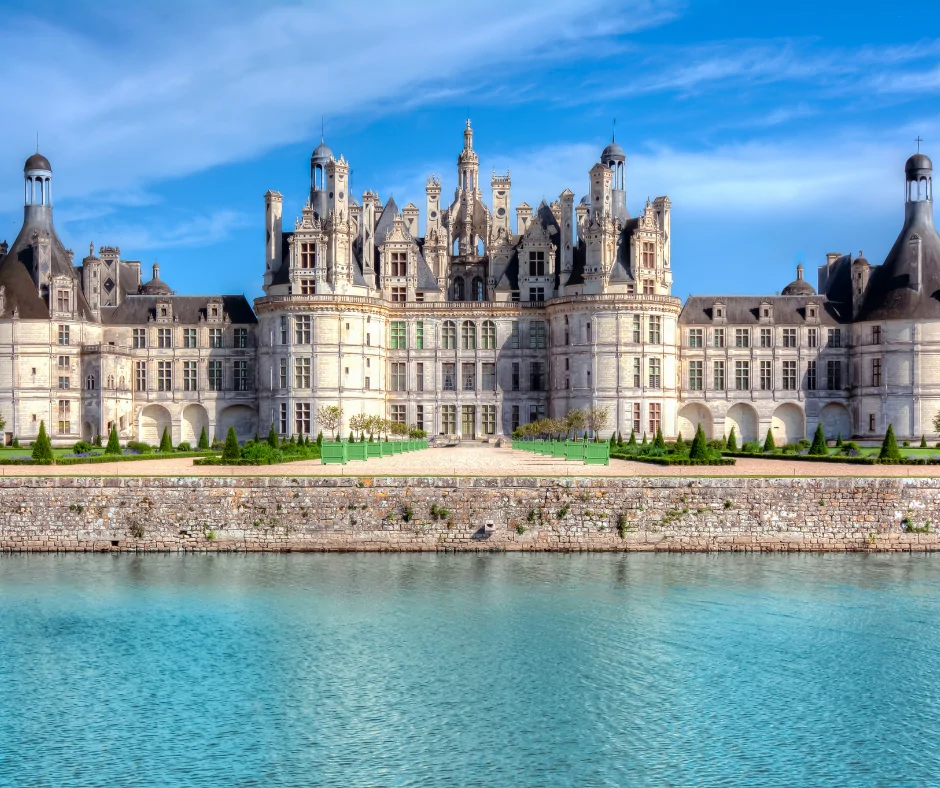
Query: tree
[(923, 441), (357, 423), (320, 438), (769, 443), (699, 450), (680, 444), (819, 448), (272, 437), (574, 422), (659, 442), (596, 419), (732, 443), (330, 417), (204, 440), (231, 450), (644, 438), (42, 446), (114, 445), (165, 443), (619, 438), (632, 442), (839, 441), (889, 447)]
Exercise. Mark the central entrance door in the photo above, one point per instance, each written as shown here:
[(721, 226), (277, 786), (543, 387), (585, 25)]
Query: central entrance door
[(468, 421)]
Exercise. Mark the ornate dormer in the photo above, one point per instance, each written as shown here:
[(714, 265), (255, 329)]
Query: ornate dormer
[(765, 311), (215, 311), (62, 296), (164, 310), (719, 311), (398, 261)]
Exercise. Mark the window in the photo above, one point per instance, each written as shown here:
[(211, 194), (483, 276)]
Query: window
[(302, 373), (399, 382), (695, 337), (567, 332), (655, 329), (399, 264), (835, 337), (449, 335), (368, 383), (876, 371), (766, 338), (636, 417), (871, 422), (419, 335), (536, 294), (488, 377), (62, 300), (537, 376), (656, 417), (653, 365), (419, 376), (302, 418), (164, 338), (285, 329), (214, 374), (812, 337), (164, 376), (189, 376), (448, 376), (766, 376), (515, 376), (488, 418), (789, 337), (695, 375), (189, 338), (397, 413), (64, 335), (368, 340), (833, 375), (308, 255), (419, 416), (536, 265), (649, 287), (65, 414), (282, 418), (488, 335), (587, 331), (399, 294), (514, 335), (468, 335), (876, 335), (140, 337), (718, 379), (282, 373), (468, 376), (449, 419), (241, 337), (215, 337), (90, 382), (742, 375), (648, 255), (308, 287), (397, 339), (241, 376), (63, 362), (140, 376), (302, 329), (636, 373), (514, 417), (789, 375), (742, 337), (637, 338), (718, 337), (110, 381), (537, 334), (65, 382), (811, 375)]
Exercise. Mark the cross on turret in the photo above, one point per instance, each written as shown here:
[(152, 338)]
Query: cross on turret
[(918, 140)]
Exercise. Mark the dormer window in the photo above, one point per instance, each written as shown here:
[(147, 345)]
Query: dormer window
[(308, 255), (398, 264), (536, 263)]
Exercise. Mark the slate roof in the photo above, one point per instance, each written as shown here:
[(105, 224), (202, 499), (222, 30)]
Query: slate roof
[(744, 310), (138, 309)]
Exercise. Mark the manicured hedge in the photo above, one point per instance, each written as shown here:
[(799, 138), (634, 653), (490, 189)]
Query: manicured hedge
[(670, 460), (803, 458), (102, 458)]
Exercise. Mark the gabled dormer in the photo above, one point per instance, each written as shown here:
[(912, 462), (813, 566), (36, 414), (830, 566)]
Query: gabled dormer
[(719, 311)]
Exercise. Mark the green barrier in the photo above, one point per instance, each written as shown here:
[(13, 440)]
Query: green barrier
[(332, 453), (574, 450), (597, 453), (558, 450), (373, 449), (357, 451)]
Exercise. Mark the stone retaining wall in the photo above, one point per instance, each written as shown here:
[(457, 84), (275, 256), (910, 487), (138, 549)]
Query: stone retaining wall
[(367, 513)]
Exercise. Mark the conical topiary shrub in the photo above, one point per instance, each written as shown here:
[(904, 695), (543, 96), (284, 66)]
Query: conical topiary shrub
[(889, 447), (732, 442), (819, 448), (769, 443), (114, 445), (680, 444), (839, 441), (923, 441), (658, 441), (699, 450), (203, 440), (619, 438), (42, 446), (632, 442), (165, 443), (644, 440), (231, 450), (272, 437)]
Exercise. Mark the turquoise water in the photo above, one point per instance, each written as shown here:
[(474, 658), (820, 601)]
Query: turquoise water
[(469, 670)]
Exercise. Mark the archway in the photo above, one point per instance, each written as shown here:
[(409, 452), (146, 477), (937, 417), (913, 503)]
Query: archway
[(194, 419), (458, 288), (788, 424), (744, 420), (836, 420), (88, 432), (153, 420), (242, 417), (479, 294), (690, 416)]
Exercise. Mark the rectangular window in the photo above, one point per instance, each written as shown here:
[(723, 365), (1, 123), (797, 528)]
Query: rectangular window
[(718, 337), (448, 376), (189, 376), (215, 337), (514, 335), (214, 375), (812, 337), (655, 329), (789, 375), (876, 371), (65, 415), (515, 376), (302, 373), (655, 373), (419, 417), (649, 287), (302, 329), (811, 375), (637, 335), (719, 375), (419, 335), (62, 300), (140, 337), (656, 417), (742, 375), (695, 375), (241, 376), (636, 418), (302, 418), (397, 413), (449, 335), (537, 376), (399, 294), (449, 419), (789, 337), (189, 338), (488, 335), (64, 335), (871, 422), (536, 334), (282, 419), (742, 337), (64, 362), (648, 255), (399, 380), (766, 376), (468, 376), (65, 382), (308, 286), (876, 335), (282, 373), (833, 375), (397, 335), (241, 337), (695, 337), (515, 417), (419, 376), (636, 373), (536, 294), (468, 335), (284, 329), (164, 376), (308, 255), (140, 376), (399, 263), (368, 383), (164, 338), (488, 418), (536, 264), (835, 337), (766, 337), (488, 377)]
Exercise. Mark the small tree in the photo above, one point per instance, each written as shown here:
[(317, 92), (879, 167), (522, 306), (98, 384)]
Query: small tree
[(769, 443), (699, 450), (732, 443), (42, 446), (644, 439), (680, 444), (818, 447), (619, 438), (596, 419), (632, 442), (320, 438), (231, 450), (923, 441), (839, 441), (357, 423), (330, 417), (165, 443), (659, 442), (114, 445), (889, 447), (574, 422), (204, 440), (272, 437)]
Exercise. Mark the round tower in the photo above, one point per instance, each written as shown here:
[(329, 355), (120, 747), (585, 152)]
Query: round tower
[(320, 157), (614, 158), (37, 177)]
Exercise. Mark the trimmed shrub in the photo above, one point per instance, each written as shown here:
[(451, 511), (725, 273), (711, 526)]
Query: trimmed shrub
[(231, 450), (889, 447), (166, 445), (632, 442), (98, 440), (114, 445), (699, 450), (769, 443), (839, 441), (42, 446), (818, 447), (751, 447), (203, 444), (732, 443), (272, 437), (658, 441), (184, 446), (82, 447), (923, 441), (140, 447), (320, 438)]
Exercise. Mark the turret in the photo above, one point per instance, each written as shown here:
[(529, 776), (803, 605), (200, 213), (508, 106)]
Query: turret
[(615, 160), (861, 271), (273, 208), (318, 194), (501, 185), (433, 191)]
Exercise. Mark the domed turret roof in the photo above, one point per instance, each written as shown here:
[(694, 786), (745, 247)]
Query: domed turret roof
[(919, 161), (37, 162), (156, 286), (799, 286), (613, 151), (322, 151)]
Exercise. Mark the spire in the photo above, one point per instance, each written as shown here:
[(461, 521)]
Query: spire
[(468, 137), (613, 134)]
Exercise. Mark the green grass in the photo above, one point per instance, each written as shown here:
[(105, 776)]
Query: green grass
[(867, 451), (26, 451)]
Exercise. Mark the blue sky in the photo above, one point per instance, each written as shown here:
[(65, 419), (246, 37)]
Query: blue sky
[(778, 130)]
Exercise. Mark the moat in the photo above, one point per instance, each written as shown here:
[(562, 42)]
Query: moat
[(457, 670)]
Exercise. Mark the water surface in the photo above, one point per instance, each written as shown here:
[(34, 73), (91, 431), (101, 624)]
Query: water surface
[(469, 670)]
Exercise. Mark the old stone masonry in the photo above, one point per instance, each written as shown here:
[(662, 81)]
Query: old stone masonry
[(467, 514)]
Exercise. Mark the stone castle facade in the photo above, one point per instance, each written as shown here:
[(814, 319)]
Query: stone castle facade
[(482, 323)]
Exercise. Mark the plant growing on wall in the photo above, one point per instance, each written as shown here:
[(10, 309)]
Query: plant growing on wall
[(330, 417), (42, 446)]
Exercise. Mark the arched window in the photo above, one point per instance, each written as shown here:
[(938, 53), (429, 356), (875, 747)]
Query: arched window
[(458, 288), (468, 335), (488, 335), (478, 291), (90, 383), (123, 383), (481, 247), (449, 335), (110, 381)]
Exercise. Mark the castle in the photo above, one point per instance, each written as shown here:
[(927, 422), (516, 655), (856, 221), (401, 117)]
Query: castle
[(477, 326)]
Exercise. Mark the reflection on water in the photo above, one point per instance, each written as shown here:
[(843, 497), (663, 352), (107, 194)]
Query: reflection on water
[(460, 670)]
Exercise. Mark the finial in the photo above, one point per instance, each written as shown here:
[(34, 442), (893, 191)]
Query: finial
[(468, 123), (917, 139), (322, 131), (613, 135), (91, 249), (37, 142)]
